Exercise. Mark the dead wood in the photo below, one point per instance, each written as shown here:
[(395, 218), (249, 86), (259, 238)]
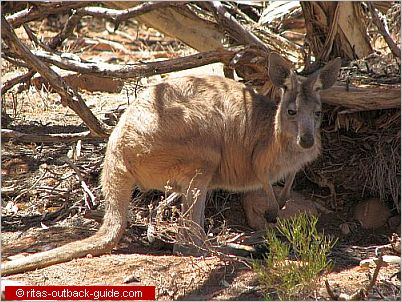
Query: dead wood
[(358, 98), (41, 10), (230, 25), (117, 16), (139, 69), (180, 23), (68, 95), (337, 25), (363, 98), (17, 80), (51, 45), (7, 134), (79, 81), (377, 21), (113, 15)]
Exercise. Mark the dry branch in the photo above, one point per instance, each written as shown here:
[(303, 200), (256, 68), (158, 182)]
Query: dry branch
[(234, 28), (180, 23), (7, 134), (139, 69), (113, 15), (17, 80), (363, 98), (42, 10), (117, 16), (359, 98), (68, 95), (377, 21)]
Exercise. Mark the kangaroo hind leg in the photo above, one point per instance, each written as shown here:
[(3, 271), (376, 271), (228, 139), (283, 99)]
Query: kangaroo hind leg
[(191, 237)]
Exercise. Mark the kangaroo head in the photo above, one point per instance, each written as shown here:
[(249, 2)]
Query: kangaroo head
[(299, 112)]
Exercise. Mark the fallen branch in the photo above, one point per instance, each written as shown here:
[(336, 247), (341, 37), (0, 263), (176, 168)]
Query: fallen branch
[(7, 134), (233, 27), (377, 21), (17, 80), (139, 69), (42, 10), (68, 95), (180, 23), (113, 15), (117, 16), (363, 98)]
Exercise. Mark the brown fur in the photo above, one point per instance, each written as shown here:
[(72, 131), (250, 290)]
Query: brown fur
[(196, 134)]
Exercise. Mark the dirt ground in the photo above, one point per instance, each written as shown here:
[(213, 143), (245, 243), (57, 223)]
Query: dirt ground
[(43, 203)]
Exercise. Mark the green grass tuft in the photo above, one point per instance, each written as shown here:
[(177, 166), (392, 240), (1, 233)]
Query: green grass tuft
[(292, 269)]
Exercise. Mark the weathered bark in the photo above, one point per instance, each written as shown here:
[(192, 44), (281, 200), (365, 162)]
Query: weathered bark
[(181, 24), (363, 98), (336, 29)]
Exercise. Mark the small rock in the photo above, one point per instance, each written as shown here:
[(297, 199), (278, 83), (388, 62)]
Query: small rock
[(297, 206), (371, 213), (345, 229), (132, 279)]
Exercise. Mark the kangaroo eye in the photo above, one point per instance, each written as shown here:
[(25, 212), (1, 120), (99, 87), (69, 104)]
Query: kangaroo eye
[(292, 112), (318, 113)]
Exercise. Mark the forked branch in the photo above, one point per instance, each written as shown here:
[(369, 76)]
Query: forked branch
[(68, 95)]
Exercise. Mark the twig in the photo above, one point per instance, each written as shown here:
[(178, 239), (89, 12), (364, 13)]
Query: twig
[(379, 263), (68, 95), (358, 295), (83, 183), (34, 39), (53, 44), (361, 293), (7, 134), (377, 21), (31, 187)]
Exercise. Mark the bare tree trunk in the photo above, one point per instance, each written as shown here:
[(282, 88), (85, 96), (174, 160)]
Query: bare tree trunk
[(336, 29)]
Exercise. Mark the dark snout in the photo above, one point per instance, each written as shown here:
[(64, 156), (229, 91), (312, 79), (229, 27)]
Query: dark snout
[(306, 141)]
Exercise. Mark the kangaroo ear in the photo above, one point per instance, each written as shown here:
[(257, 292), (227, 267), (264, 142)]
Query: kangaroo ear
[(328, 74), (279, 71)]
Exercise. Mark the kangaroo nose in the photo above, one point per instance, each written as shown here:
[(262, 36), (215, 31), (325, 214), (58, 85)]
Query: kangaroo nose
[(306, 141)]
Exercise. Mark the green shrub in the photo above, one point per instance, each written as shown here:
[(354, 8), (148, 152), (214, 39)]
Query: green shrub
[(291, 269)]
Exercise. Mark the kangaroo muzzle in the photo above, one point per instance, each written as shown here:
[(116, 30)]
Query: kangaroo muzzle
[(306, 141)]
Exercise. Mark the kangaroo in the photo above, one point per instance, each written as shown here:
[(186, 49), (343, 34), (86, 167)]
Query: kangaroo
[(197, 134)]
